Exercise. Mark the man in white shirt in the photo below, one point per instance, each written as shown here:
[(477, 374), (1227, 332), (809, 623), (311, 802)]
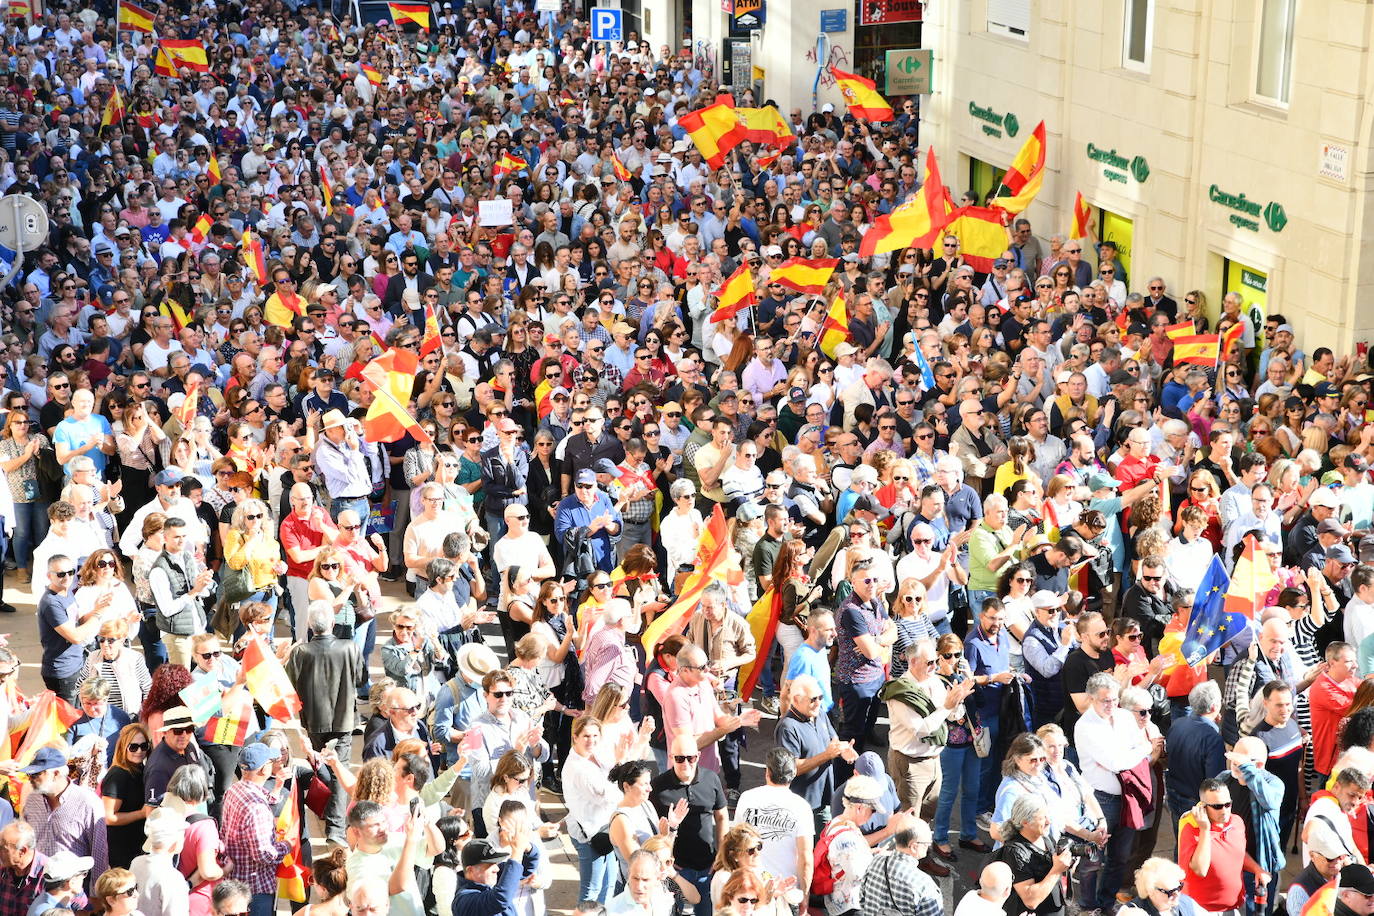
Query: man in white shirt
[(994, 887), (1109, 742), (169, 502), (782, 818), (1359, 612), (644, 893)]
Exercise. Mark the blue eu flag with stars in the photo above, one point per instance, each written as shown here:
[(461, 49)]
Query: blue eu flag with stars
[(927, 375), (1209, 626)]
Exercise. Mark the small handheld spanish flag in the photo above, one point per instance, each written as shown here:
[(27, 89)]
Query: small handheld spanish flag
[(134, 18), (114, 109), (253, 254), (734, 295), (1082, 213), (506, 165), (417, 13), (213, 170), (621, 172), (374, 76)]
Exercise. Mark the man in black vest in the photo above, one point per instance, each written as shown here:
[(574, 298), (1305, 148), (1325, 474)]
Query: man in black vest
[(178, 583)]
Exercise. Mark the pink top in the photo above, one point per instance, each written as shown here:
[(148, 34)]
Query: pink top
[(201, 835), (691, 711)]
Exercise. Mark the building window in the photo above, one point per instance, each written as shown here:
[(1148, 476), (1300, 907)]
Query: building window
[(1139, 23), (1275, 49), (1009, 17)]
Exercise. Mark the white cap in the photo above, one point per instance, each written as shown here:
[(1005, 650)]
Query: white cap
[(827, 108)]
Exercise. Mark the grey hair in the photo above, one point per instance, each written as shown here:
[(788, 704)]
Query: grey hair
[(438, 568), (95, 689), (1023, 810), (1101, 681), (781, 765), (189, 784), (925, 642), (995, 501), (319, 617), (715, 590), (682, 487), (1204, 699), (1135, 698)]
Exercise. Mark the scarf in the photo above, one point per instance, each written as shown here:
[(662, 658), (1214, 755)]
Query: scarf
[(909, 693)]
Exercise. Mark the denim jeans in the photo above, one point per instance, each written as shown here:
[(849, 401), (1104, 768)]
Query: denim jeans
[(262, 905), (358, 504), (1122, 840), (858, 711), (976, 597), (991, 771), (30, 528), (596, 875), (700, 878), (365, 638), (959, 766), (154, 649), (767, 680)]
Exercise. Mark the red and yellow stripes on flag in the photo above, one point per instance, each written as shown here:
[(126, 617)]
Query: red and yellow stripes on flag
[(293, 878), (618, 166), (417, 13), (253, 254), (767, 159), (326, 189), (19, 9), (134, 18), (1026, 175), (1199, 349), (433, 339), (982, 235), (734, 295), (374, 76), (213, 170), (1231, 339), (1082, 216), (230, 726), (713, 551), (1251, 580), (114, 109), (763, 623), (835, 328), (918, 222), (1182, 329), (163, 65), (266, 680), (201, 230), (805, 276), (506, 165), (720, 127), (187, 52), (392, 376), (186, 411), (48, 720), (861, 97)]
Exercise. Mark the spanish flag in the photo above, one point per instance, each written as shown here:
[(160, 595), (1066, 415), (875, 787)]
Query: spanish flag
[(188, 53), (1026, 175), (114, 109), (163, 66), (201, 230), (293, 878), (835, 328), (1082, 213), (861, 96), (1231, 339), (981, 233), (1182, 329), (283, 307), (267, 681), (1199, 349), (213, 170), (734, 295), (186, 411), (374, 76), (254, 256), (392, 376), (417, 13), (1251, 581), (506, 165), (805, 276), (19, 9), (433, 339), (763, 623), (618, 166), (230, 724), (918, 222), (49, 718), (767, 159), (134, 18), (720, 127), (326, 189), (712, 562)]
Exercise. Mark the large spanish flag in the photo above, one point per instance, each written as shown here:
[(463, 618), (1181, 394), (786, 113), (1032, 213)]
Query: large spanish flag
[(720, 127), (861, 96), (1182, 329), (763, 623), (293, 878), (835, 328), (114, 109), (188, 53), (734, 295), (282, 308), (48, 720), (713, 551), (134, 18), (805, 276), (917, 222), (981, 233), (1026, 175), (267, 681), (163, 66), (393, 377), (417, 13), (1199, 349)]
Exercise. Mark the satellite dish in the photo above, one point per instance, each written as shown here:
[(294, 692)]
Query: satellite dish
[(23, 228)]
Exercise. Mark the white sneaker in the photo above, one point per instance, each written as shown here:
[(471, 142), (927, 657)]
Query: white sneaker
[(985, 822)]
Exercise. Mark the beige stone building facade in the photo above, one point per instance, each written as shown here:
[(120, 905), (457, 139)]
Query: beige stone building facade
[(1225, 144)]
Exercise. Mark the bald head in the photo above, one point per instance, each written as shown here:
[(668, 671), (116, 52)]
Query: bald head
[(994, 884)]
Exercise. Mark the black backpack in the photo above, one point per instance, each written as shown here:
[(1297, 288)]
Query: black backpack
[(51, 479)]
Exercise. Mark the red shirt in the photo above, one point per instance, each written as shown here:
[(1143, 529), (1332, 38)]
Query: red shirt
[(1329, 700), (304, 534), (1221, 888), (1131, 471)]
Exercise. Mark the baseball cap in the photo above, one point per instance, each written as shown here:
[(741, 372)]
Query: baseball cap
[(1340, 553), (604, 466), (1331, 526), (1323, 496), (507, 425), (1358, 878), (621, 327), (168, 477), (256, 756), (866, 789), (1100, 481), (749, 511), (671, 407), (796, 394), (64, 866), (586, 475), (1325, 390), (1357, 463), (480, 852), (560, 392), (47, 758)]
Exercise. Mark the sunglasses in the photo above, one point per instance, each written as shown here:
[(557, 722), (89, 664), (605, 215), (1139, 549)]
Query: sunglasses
[(685, 758), (502, 694), (182, 729), (216, 654)]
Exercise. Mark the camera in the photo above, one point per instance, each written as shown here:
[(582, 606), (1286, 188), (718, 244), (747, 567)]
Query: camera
[(1079, 849)]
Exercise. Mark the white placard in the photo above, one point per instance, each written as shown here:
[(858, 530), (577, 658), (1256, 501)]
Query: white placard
[(495, 212), (548, 6), (1334, 162)]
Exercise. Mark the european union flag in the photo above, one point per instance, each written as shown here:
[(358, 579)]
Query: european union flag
[(927, 376), (1209, 625)]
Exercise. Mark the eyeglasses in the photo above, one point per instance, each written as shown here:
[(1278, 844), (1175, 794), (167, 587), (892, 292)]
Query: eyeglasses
[(597, 584), (685, 758), (136, 746), (1170, 891), (65, 573), (1133, 637), (1152, 578)]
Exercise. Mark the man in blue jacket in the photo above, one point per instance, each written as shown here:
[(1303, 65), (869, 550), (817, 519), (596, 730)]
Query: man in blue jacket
[(491, 877), (1196, 750)]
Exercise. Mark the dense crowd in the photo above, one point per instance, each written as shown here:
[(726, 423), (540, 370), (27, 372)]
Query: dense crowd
[(973, 526)]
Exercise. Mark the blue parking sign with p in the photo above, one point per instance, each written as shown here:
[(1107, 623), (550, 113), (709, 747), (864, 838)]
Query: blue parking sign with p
[(607, 24)]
